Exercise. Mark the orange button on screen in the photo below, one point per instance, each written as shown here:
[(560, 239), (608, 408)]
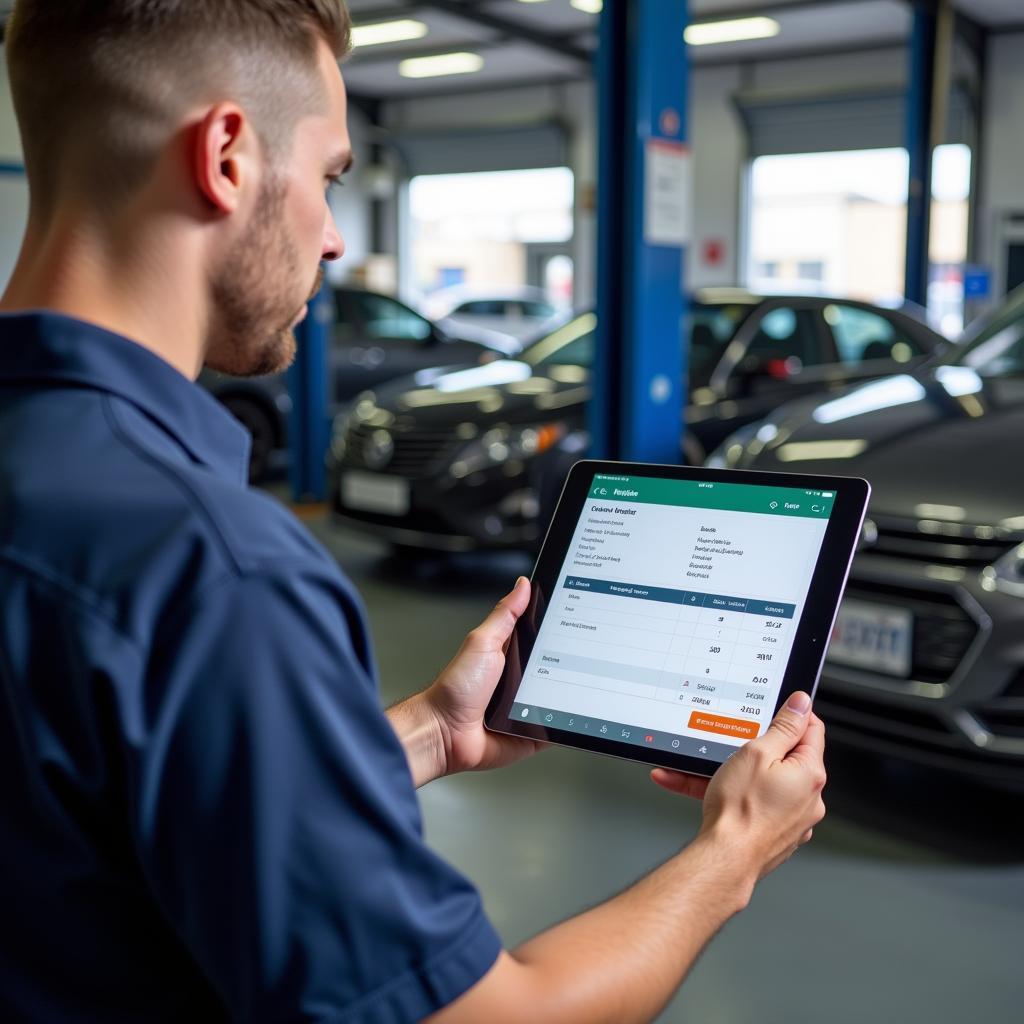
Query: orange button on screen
[(725, 726)]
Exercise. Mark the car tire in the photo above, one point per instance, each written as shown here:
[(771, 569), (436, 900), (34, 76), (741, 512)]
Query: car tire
[(256, 420)]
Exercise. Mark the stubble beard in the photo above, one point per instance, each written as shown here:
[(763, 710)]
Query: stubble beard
[(254, 304)]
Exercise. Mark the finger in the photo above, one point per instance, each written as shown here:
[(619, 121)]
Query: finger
[(787, 728), (811, 748), (495, 630), (693, 786)]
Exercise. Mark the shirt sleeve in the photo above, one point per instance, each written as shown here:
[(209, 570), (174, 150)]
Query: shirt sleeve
[(277, 822)]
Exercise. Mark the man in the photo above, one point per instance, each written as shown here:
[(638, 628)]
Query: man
[(206, 814)]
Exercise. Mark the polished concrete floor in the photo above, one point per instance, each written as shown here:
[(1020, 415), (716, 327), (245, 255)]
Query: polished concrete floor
[(907, 907)]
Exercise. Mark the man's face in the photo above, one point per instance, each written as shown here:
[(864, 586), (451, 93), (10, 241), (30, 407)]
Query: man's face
[(273, 269)]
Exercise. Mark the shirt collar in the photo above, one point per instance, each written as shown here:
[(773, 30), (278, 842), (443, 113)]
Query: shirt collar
[(44, 347)]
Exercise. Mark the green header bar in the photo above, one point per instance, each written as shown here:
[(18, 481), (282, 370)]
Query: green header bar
[(769, 501)]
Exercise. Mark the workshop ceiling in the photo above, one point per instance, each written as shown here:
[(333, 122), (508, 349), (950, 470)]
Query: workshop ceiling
[(546, 41)]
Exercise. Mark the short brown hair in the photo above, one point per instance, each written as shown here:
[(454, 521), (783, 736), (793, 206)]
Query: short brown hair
[(97, 84)]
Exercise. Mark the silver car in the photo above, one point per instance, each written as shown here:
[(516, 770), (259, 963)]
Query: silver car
[(927, 661)]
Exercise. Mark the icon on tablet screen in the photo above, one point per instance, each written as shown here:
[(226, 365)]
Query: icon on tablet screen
[(526, 711)]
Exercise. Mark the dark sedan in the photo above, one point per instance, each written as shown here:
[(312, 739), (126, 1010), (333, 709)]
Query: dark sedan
[(374, 338), (927, 660), (465, 458)]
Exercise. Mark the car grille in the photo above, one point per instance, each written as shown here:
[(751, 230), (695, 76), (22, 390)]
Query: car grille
[(943, 631), (417, 453), (941, 545)]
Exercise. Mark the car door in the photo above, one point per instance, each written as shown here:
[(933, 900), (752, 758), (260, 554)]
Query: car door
[(377, 338), (781, 352), (872, 342)]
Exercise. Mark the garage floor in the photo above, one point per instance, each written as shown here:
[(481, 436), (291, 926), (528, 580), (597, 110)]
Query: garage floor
[(907, 907)]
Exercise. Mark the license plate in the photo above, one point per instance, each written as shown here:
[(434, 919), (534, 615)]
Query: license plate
[(871, 636), (369, 492)]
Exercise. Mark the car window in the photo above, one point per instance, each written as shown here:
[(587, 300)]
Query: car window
[(538, 310), (785, 332), (712, 327), (571, 345), (995, 345), (482, 307), (386, 319), (862, 335)]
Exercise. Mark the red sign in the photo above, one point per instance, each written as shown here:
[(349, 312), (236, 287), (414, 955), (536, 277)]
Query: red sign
[(713, 252)]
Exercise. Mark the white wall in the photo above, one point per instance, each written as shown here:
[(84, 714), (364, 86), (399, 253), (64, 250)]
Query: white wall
[(1002, 163)]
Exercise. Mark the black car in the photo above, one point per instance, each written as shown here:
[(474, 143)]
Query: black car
[(464, 458), (374, 338), (927, 661)]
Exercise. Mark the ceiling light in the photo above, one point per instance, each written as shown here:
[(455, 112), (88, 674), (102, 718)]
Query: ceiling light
[(387, 32), (588, 6), (442, 64), (733, 31)]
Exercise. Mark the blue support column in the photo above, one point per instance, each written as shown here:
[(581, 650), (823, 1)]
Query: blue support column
[(639, 380), (308, 427), (920, 146)]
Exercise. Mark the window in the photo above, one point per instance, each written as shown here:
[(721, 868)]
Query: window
[(862, 336), (785, 333), (386, 319), (811, 270)]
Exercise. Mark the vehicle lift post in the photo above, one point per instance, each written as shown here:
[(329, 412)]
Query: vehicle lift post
[(644, 225), (308, 426), (928, 88)]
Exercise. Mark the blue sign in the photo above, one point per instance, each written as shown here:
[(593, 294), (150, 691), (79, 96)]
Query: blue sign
[(977, 282)]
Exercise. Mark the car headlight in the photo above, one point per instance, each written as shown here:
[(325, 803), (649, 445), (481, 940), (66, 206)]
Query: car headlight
[(1007, 574), (506, 444)]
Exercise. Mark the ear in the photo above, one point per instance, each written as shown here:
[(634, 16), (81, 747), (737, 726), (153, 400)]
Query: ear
[(219, 156)]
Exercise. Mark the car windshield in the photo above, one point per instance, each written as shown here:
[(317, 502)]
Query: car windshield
[(571, 345), (995, 347), (713, 326)]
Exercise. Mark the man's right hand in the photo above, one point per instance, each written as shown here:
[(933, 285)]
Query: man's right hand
[(764, 802), (622, 960)]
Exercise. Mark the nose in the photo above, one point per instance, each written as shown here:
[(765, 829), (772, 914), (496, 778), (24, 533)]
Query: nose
[(334, 244)]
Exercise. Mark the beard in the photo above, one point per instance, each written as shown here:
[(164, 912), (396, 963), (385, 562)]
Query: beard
[(254, 295)]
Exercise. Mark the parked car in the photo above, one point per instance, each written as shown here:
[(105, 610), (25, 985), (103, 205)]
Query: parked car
[(474, 457), (928, 658), (374, 338), (521, 314)]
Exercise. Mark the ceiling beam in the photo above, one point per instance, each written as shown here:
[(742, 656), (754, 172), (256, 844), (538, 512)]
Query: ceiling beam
[(474, 12)]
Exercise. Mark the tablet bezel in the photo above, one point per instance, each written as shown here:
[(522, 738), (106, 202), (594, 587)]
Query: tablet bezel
[(813, 629)]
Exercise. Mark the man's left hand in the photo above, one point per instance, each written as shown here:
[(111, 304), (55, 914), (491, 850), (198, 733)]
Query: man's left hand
[(460, 694)]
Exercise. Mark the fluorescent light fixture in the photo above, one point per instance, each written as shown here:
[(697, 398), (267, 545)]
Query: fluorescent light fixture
[(442, 64), (706, 33), (387, 32), (589, 6)]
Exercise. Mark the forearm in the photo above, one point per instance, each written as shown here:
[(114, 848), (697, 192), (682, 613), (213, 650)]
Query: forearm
[(622, 961), (419, 731)]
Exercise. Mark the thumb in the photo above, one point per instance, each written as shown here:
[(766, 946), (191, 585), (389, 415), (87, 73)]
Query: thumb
[(788, 726), (495, 630)]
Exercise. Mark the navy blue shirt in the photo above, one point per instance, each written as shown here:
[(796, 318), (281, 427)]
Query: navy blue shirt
[(205, 813)]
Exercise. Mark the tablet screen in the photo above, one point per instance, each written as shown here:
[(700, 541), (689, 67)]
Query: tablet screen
[(674, 613)]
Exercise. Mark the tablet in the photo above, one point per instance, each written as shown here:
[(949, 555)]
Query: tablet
[(674, 609)]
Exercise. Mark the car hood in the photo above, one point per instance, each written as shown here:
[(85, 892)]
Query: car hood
[(946, 437), (505, 391)]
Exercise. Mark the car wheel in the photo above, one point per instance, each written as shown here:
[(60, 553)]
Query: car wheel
[(693, 450), (255, 419)]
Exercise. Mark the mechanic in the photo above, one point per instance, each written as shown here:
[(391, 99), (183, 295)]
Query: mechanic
[(206, 814)]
